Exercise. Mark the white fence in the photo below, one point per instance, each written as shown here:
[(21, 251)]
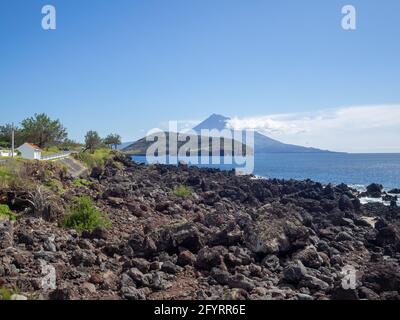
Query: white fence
[(56, 156)]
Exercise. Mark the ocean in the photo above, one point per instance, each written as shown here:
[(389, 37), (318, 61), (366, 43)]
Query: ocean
[(352, 169)]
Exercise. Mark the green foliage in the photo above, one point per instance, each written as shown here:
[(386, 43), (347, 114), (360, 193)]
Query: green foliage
[(4, 172), (81, 183), (10, 174), (92, 141), (70, 145), (6, 212), (118, 165), (6, 293), (43, 131), (182, 191), (112, 140), (55, 185), (84, 216), (50, 150), (6, 134), (96, 159)]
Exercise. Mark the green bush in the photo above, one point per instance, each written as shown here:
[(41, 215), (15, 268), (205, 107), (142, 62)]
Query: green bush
[(96, 159), (55, 185), (182, 191), (6, 212), (5, 294), (5, 176), (81, 183), (84, 216)]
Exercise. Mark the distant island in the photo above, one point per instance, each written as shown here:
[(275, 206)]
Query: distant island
[(262, 143), (225, 146)]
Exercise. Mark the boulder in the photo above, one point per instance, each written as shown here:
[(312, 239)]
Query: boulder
[(208, 258), (170, 267), (294, 273), (131, 293), (345, 203), (186, 258), (374, 190), (309, 257), (271, 235)]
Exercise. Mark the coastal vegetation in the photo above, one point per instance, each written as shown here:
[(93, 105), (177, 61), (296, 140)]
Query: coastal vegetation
[(6, 212), (5, 294), (39, 129), (97, 158), (84, 216), (182, 191), (112, 141)]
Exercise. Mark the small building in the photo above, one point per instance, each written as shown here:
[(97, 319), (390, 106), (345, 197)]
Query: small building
[(30, 151)]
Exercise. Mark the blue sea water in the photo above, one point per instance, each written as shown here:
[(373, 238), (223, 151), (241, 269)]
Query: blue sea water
[(351, 169)]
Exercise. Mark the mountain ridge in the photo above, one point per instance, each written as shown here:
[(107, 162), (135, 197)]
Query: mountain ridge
[(262, 143)]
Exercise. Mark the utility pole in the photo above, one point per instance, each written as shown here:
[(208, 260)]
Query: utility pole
[(12, 140)]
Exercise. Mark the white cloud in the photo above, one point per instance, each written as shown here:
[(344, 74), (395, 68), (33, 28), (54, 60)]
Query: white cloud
[(352, 129)]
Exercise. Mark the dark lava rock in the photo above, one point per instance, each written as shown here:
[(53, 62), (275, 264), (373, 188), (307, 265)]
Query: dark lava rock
[(294, 273), (374, 190)]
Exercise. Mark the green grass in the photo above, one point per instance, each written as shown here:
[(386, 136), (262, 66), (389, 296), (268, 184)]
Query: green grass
[(6, 176), (182, 191), (5, 172), (96, 159), (84, 216), (6, 212), (81, 183), (50, 150), (55, 185), (6, 293)]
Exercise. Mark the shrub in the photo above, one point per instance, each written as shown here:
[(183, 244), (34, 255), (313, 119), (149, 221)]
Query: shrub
[(55, 185), (81, 183), (13, 174), (96, 159), (84, 216), (6, 293), (182, 191), (5, 176), (6, 212)]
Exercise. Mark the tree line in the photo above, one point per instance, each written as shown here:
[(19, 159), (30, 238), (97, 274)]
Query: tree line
[(47, 133)]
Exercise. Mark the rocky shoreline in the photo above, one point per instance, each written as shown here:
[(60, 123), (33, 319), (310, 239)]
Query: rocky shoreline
[(232, 237)]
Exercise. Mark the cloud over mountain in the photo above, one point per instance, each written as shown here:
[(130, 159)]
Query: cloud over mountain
[(373, 128)]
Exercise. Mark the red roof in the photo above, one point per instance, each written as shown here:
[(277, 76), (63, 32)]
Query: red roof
[(34, 146)]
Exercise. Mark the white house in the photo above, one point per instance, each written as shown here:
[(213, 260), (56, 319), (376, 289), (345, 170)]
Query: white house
[(30, 151)]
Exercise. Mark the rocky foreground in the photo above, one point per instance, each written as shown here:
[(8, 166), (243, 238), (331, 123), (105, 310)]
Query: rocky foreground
[(233, 237)]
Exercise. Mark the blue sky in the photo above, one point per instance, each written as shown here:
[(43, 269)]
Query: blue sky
[(127, 66)]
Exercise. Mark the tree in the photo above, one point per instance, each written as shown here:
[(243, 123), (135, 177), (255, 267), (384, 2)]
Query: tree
[(6, 134), (92, 141), (70, 145), (112, 140), (43, 131)]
